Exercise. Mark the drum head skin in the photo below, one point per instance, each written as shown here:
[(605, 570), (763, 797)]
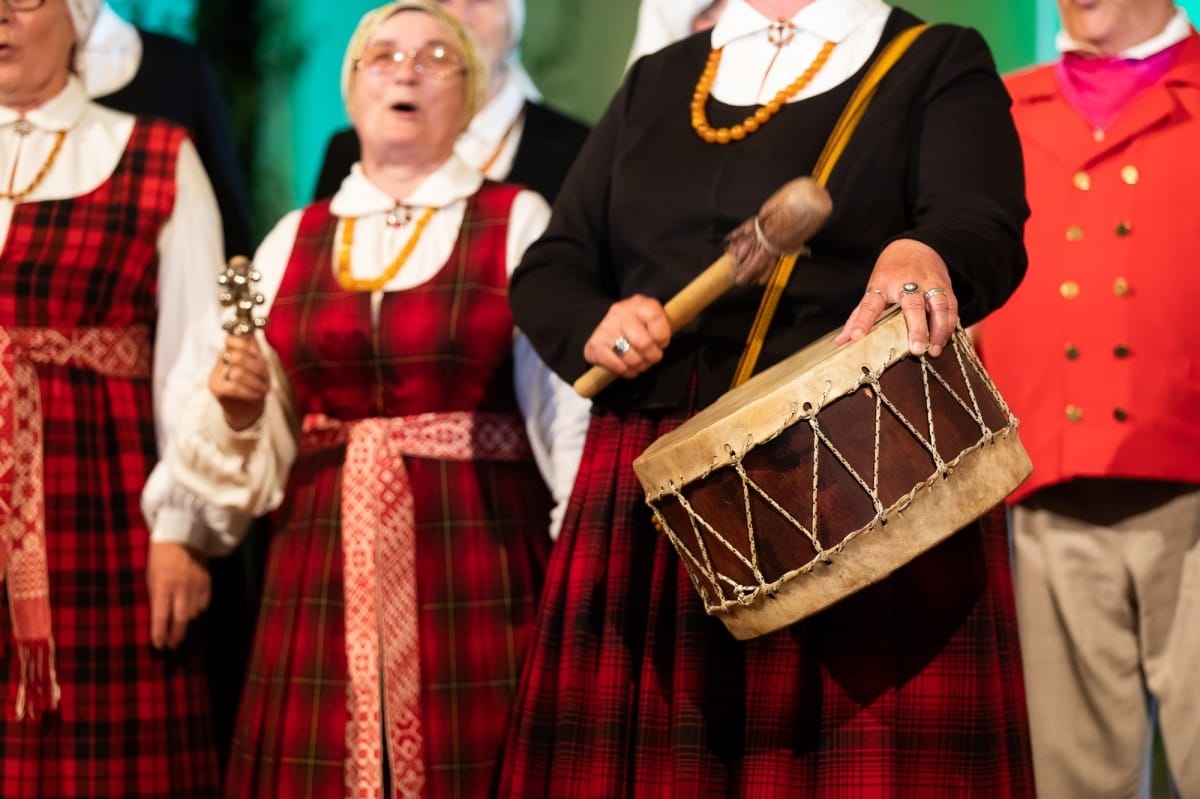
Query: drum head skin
[(829, 471)]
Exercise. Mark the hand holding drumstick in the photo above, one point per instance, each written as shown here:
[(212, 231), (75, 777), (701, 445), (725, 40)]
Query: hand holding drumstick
[(632, 335)]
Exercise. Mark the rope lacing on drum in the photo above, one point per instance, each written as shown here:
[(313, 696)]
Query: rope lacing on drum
[(706, 567), (809, 413), (966, 350), (972, 409)]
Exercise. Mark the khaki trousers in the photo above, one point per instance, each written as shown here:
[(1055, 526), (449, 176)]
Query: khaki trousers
[(1108, 597)]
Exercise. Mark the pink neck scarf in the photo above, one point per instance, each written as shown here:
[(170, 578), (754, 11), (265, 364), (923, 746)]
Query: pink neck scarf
[(1098, 87)]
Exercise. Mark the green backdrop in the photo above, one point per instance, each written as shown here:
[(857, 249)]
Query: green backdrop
[(575, 50)]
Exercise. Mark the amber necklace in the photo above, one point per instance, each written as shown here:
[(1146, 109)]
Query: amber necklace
[(351, 283), (17, 196), (762, 114), (500, 146)]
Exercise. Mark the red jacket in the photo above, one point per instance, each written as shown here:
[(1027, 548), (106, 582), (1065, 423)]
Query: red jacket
[(1098, 351)]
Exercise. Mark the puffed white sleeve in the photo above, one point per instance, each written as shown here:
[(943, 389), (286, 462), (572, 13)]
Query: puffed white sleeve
[(191, 255), (556, 418), (212, 481)]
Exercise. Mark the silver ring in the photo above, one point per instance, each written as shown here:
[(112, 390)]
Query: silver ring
[(876, 291), (929, 295), (620, 346), (909, 288)]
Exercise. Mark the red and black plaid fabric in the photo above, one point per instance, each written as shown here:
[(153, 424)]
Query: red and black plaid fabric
[(481, 526), (910, 688), (132, 722)]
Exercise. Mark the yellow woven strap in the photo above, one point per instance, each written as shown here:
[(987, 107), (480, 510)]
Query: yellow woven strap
[(851, 115)]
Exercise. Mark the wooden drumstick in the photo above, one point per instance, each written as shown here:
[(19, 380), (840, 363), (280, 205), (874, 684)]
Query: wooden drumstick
[(784, 223)]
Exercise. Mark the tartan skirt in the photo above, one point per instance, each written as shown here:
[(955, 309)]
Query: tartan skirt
[(910, 688), (133, 722), (482, 549)]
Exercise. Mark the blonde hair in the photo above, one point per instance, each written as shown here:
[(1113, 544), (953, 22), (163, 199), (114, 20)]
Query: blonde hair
[(476, 78)]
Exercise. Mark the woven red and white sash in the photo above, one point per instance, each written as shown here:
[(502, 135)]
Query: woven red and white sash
[(115, 352), (379, 546)]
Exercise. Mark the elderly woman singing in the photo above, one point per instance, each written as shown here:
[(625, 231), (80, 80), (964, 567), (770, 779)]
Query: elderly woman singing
[(376, 417), (111, 242), (514, 136)]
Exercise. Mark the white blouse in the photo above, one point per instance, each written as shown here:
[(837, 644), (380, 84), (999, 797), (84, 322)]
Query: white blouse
[(190, 247), (753, 70), (491, 138), (214, 480)]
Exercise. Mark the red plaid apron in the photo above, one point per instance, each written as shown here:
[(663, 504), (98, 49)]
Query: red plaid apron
[(78, 304), (106, 351), (406, 560)]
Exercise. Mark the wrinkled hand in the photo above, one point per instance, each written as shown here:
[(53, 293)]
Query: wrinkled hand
[(240, 380), (931, 317), (642, 323), (180, 588)]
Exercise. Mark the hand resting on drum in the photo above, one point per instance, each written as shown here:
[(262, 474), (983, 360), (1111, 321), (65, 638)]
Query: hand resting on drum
[(914, 276)]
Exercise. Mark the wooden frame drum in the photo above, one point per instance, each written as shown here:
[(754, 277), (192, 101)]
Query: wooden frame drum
[(828, 471)]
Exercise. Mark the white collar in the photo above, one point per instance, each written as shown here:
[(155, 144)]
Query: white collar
[(830, 20), (1178, 29), (454, 180), (494, 119), (60, 112)]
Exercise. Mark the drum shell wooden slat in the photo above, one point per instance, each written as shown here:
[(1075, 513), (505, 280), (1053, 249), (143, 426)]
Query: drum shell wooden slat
[(763, 574)]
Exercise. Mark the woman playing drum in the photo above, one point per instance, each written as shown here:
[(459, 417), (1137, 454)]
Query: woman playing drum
[(909, 687)]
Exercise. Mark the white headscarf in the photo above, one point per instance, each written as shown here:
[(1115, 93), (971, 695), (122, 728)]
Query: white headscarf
[(516, 24), (477, 71), (110, 58), (662, 22), (83, 15), (516, 27)]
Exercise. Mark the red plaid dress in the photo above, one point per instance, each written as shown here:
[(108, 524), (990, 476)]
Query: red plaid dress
[(442, 347), (910, 688), (132, 722)]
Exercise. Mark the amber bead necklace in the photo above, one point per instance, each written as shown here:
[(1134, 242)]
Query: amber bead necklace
[(17, 196), (397, 217), (500, 145), (351, 283), (762, 114)]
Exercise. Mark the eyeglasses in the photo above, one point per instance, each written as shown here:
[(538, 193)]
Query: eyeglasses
[(435, 59), (24, 5)]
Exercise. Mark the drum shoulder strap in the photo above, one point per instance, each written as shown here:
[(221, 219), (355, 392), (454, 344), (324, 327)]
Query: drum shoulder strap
[(847, 123)]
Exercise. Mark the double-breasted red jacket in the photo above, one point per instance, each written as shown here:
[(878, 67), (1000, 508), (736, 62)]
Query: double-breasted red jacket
[(1098, 351)]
